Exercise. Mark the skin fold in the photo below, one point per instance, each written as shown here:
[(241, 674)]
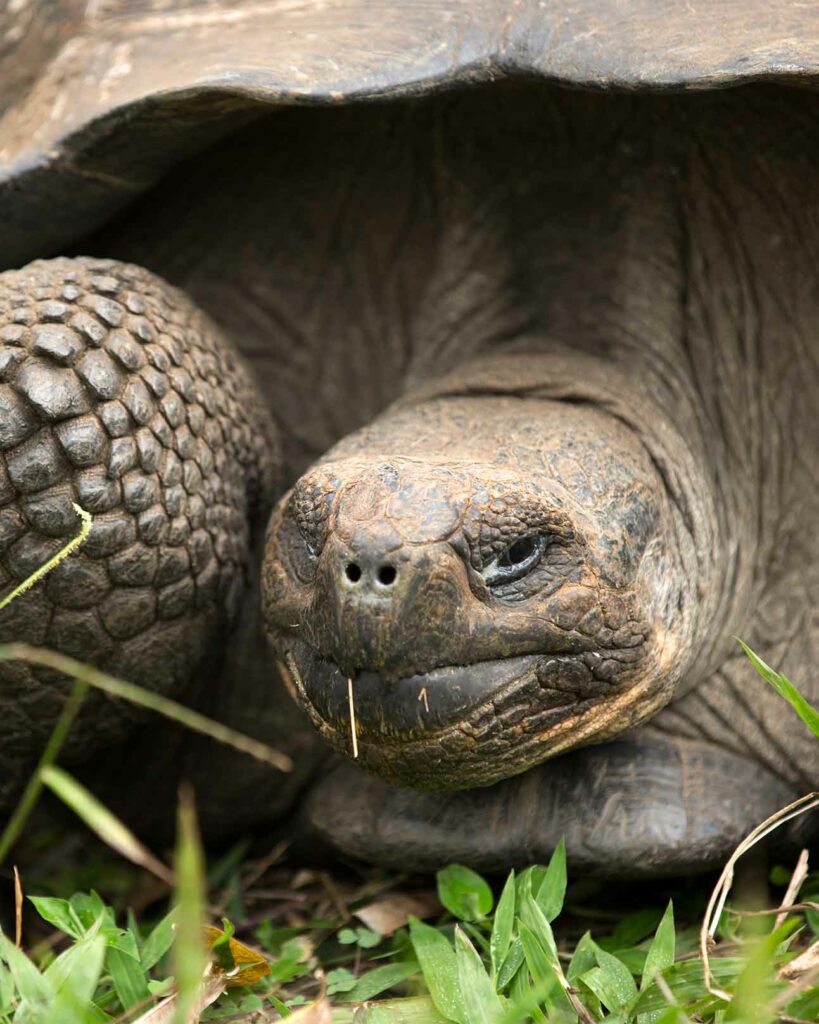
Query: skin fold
[(536, 371)]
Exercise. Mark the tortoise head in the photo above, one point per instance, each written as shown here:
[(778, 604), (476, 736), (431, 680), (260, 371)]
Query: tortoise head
[(489, 580)]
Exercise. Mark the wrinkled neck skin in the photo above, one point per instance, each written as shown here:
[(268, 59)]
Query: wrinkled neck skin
[(645, 289), (392, 568)]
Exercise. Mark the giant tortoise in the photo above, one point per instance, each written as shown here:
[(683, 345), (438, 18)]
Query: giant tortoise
[(510, 314)]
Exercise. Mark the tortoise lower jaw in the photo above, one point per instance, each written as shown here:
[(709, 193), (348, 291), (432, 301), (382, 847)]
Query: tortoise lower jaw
[(458, 726)]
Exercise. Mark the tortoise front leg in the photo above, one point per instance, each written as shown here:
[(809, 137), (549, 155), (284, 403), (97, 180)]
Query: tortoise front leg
[(638, 806), (118, 395)]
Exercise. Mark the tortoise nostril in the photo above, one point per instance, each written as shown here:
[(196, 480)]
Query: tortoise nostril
[(386, 575), (353, 572)]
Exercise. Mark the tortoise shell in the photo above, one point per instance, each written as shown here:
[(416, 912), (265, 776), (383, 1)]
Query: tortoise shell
[(98, 99)]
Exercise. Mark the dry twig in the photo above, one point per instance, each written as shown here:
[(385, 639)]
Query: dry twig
[(800, 873), (18, 909), (716, 904)]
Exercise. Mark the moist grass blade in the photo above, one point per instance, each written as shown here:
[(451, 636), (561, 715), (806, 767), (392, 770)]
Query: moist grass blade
[(502, 926), (440, 969), (785, 688), (660, 954), (482, 1004), (552, 890)]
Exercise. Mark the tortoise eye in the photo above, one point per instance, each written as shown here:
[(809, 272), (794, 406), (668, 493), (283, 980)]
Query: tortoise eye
[(520, 551), (516, 561)]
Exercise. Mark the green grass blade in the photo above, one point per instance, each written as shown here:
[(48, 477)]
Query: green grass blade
[(7, 989), (35, 783), (73, 997), (534, 918), (611, 981), (552, 891), (501, 937), (59, 970), (31, 985), (539, 962), (583, 958), (413, 1010), (482, 1004), (128, 976), (190, 957), (509, 967), (686, 982), (147, 699), (661, 951), (440, 969), (785, 688), (55, 560), (58, 913), (158, 942), (525, 1000), (378, 980), (751, 1003)]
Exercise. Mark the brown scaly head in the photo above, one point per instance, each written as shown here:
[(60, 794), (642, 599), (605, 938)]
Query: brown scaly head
[(498, 577)]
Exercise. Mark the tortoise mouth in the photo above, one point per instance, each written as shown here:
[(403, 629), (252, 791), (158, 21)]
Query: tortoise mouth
[(391, 710), (451, 727)]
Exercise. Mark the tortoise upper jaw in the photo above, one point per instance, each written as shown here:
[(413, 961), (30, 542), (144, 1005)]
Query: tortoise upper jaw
[(388, 709)]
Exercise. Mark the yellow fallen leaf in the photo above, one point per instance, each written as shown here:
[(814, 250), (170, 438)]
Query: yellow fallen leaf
[(250, 966)]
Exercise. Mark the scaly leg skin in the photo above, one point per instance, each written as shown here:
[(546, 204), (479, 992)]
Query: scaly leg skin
[(637, 807), (118, 394)]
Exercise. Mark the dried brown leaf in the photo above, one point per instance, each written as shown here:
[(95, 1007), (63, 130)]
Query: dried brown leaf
[(801, 965), (387, 915), (318, 1012), (18, 909)]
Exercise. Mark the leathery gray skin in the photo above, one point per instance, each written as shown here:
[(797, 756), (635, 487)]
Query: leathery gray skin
[(506, 566), (615, 369)]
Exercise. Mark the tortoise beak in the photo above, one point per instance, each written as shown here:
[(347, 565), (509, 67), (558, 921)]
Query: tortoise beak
[(411, 706)]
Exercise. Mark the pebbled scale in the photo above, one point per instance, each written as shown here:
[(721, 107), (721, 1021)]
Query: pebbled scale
[(118, 394)]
